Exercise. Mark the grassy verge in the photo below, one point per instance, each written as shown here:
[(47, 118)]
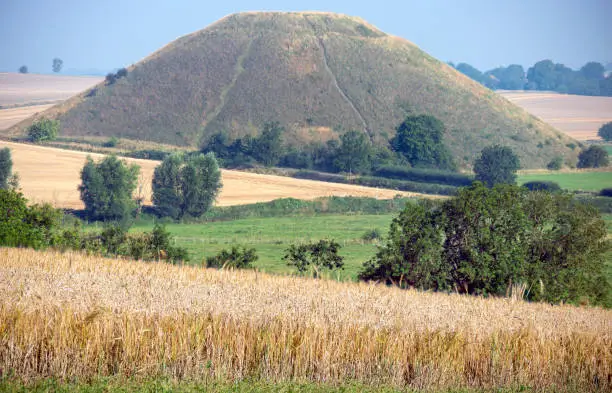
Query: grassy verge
[(165, 385), (586, 181)]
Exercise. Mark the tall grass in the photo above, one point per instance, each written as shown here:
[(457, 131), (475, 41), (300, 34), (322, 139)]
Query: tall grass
[(68, 316)]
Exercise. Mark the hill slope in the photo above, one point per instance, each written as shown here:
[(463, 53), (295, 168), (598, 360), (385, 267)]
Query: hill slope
[(315, 73)]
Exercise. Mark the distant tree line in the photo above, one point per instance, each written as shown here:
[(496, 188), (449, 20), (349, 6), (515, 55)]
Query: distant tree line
[(545, 75)]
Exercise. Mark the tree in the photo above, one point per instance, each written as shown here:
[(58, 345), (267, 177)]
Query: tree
[(6, 166), (238, 258), (314, 257), (605, 132), (419, 139), (57, 64), (593, 157), (121, 73), (268, 147), (23, 69), (593, 70), (509, 78), (107, 187), (44, 130), (485, 240), (555, 164), (353, 155), (471, 72), (186, 185), (496, 165)]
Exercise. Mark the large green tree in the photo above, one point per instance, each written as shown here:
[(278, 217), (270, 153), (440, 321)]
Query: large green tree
[(268, 147), (605, 132), (496, 165), (107, 187), (186, 185), (486, 240), (593, 157), (420, 140), (6, 166), (354, 153), (44, 130)]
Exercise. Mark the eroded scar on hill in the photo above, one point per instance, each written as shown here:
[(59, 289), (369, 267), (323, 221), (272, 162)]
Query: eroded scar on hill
[(343, 94)]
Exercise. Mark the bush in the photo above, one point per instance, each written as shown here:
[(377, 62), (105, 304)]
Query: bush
[(549, 186), (314, 257), (371, 235), (6, 166), (606, 192), (43, 130), (593, 157), (496, 165), (555, 164), (121, 73), (237, 258), (485, 240), (112, 142)]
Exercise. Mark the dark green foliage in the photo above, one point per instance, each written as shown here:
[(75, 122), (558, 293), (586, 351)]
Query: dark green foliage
[(43, 130), (150, 154), (6, 167), (106, 189), (57, 64), (496, 165), (485, 240), (605, 131), (424, 175), (555, 164), (419, 140), (506, 78), (110, 78), (237, 258), (121, 73), (606, 192), (314, 257), (380, 182), (593, 157), (471, 72), (268, 147), (111, 142), (353, 155), (372, 234), (549, 186), (23, 69), (186, 185)]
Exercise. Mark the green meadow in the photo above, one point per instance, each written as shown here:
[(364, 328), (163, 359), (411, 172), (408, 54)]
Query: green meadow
[(585, 181)]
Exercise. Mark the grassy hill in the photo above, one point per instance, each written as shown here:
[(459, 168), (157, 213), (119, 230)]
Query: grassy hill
[(317, 74)]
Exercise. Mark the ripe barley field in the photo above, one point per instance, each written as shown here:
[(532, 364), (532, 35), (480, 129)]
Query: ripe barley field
[(76, 318)]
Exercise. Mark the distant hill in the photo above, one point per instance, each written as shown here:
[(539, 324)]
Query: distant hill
[(318, 74)]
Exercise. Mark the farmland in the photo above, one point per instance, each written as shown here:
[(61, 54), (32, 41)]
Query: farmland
[(52, 175), (572, 180), (96, 318), (578, 116)]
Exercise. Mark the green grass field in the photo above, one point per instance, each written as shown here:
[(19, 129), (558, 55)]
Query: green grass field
[(587, 181), (272, 236)]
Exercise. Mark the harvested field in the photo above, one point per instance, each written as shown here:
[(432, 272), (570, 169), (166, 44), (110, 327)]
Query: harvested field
[(578, 116), (69, 316), (53, 175), (12, 116), (21, 89)]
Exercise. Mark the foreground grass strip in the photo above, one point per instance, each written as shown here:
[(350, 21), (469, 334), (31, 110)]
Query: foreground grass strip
[(71, 317)]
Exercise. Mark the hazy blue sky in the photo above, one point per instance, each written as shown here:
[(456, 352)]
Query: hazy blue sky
[(115, 33)]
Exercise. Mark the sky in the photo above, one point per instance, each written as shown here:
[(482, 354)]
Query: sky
[(106, 35)]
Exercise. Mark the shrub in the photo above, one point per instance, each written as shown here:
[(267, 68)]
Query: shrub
[(238, 257), (555, 164), (593, 157), (43, 130), (372, 234), (549, 186), (424, 175), (110, 78), (607, 192), (112, 142), (121, 73), (314, 257)]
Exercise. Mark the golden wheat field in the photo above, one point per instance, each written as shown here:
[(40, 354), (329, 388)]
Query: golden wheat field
[(53, 175), (578, 116), (72, 316)]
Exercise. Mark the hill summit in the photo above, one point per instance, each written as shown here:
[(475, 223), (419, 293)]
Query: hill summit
[(318, 74)]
